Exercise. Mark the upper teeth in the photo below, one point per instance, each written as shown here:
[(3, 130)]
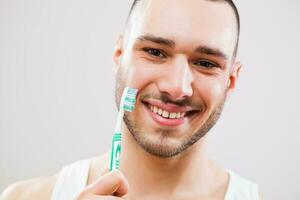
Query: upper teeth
[(166, 114)]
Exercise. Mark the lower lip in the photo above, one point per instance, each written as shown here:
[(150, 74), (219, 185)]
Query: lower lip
[(164, 121)]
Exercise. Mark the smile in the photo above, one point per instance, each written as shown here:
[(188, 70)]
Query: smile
[(166, 114)]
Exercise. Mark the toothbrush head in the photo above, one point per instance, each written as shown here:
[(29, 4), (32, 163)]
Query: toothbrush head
[(128, 99)]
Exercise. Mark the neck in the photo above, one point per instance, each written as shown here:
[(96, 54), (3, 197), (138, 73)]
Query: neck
[(189, 170)]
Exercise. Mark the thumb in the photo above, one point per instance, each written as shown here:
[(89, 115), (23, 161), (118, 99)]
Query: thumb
[(111, 183)]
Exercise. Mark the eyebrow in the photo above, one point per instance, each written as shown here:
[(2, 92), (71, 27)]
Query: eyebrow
[(211, 51), (157, 40), (170, 43)]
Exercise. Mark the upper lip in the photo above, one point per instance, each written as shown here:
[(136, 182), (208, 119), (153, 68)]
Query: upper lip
[(170, 107)]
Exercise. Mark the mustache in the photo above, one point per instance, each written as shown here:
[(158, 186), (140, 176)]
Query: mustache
[(166, 98)]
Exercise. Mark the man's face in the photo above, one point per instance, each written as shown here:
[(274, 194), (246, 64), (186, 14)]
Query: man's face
[(178, 54)]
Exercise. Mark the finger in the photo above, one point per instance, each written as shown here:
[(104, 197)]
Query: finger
[(112, 183), (88, 196), (97, 197)]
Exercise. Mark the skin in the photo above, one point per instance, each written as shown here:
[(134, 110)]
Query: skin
[(205, 79), (179, 75), (176, 69)]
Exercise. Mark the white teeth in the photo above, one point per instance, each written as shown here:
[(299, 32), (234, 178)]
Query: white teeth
[(159, 111), (155, 109), (166, 114), (172, 115)]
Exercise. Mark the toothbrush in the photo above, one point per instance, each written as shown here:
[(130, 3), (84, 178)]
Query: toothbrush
[(126, 104)]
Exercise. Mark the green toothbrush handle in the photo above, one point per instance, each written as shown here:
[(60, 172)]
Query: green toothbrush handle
[(115, 151)]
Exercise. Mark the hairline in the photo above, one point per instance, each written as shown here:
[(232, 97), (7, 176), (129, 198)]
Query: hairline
[(135, 4)]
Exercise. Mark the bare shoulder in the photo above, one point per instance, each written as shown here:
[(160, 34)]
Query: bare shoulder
[(98, 166), (41, 188), (37, 188)]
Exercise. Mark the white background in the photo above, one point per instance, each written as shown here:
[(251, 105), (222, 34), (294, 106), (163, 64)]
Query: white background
[(57, 87)]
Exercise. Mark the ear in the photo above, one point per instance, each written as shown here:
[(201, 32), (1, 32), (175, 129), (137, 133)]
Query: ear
[(233, 76), (117, 54)]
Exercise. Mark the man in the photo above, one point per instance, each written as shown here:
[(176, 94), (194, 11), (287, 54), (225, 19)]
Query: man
[(181, 56)]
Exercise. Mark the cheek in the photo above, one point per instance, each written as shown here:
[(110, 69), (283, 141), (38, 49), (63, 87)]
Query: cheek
[(139, 74), (211, 89)]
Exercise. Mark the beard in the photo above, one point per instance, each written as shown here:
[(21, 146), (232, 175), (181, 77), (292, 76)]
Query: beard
[(163, 146)]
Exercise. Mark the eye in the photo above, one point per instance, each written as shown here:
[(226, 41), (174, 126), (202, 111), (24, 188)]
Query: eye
[(206, 64), (154, 52)]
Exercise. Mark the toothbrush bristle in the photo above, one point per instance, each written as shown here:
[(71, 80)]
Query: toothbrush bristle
[(129, 100)]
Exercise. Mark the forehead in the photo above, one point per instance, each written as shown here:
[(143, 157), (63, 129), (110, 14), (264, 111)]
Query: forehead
[(188, 23)]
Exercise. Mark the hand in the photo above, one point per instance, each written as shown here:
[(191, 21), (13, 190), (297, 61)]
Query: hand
[(110, 186)]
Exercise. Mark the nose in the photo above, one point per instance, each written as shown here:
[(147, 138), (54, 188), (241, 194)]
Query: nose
[(177, 79)]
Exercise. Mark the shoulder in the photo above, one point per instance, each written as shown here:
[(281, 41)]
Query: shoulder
[(37, 188), (42, 188), (98, 167)]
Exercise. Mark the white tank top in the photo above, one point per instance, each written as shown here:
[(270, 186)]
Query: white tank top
[(73, 178)]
